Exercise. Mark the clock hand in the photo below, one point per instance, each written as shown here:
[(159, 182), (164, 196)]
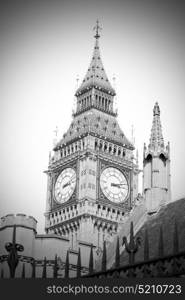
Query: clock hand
[(118, 184), (66, 184)]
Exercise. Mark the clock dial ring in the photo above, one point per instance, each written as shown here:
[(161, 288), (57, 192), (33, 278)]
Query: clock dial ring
[(65, 185), (114, 185)]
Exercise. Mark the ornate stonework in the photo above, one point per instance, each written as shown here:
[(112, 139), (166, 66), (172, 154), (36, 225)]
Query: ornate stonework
[(93, 142)]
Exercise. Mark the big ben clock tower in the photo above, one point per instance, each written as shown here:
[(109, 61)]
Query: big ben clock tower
[(92, 177)]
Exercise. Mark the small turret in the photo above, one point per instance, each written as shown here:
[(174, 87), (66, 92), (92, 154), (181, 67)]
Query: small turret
[(156, 167)]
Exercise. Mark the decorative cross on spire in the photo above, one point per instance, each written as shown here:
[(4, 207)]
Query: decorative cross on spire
[(97, 28)]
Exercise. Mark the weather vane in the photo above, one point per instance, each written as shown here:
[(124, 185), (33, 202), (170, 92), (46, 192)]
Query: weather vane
[(97, 28)]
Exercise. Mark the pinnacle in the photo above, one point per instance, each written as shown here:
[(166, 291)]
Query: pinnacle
[(156, 110), (156, 138)]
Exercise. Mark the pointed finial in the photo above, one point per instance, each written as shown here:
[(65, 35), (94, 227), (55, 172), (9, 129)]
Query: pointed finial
[(56, 131), (156, 110), (114, 81), (97, 28), (132, 246), (77, 81), (13, 248)]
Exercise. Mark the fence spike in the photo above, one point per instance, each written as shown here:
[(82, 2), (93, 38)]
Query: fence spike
[(33, 269), (67, 265), (117, 256), (23, 271), (78, 274), (44, 271), (13, 248), (175, 239), (91, 263), (104, 257), (12, 256), (133, 246), (146, 246), (161, 246), (55, 268)]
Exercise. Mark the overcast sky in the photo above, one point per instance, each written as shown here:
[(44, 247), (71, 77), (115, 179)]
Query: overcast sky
[(45, 44)]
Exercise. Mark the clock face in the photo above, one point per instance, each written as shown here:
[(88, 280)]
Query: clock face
[(65, 185), (114, 185)]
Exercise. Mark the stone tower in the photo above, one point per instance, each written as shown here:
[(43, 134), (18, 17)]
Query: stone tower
[(92, 177), (156, 167)]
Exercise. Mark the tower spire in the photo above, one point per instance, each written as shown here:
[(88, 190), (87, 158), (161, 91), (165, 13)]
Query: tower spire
[(97, 28), (156, 137), (96, 76)]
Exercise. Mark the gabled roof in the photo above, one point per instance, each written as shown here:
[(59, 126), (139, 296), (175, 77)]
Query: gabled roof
[(96, 75)]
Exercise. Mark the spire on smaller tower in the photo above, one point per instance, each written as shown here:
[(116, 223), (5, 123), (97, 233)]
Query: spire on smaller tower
[(156, 110), (156, 168), (156, 137), (97, 28)]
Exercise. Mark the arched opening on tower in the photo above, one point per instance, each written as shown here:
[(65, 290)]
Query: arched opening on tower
[(163, 158), (110, 149), (106, 103), (101, 145), (96, 145), (109, 105), (148, 159)]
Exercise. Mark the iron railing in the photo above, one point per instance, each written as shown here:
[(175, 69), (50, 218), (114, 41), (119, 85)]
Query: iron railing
[(160, 266)]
